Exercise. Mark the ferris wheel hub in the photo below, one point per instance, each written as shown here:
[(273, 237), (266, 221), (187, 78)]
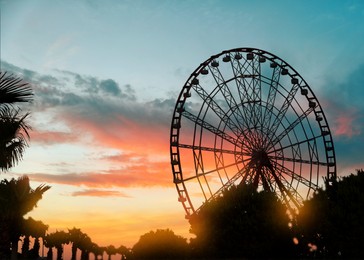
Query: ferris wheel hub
[(260, 158)]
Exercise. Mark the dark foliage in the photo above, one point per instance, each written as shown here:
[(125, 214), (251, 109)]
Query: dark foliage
[(242, 223), (161, 244), (17, 199), (331, 223)]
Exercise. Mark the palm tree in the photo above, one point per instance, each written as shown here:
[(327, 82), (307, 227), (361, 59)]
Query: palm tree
[(13, 126), (85, 246), (97, 250), (49, 242), (57, 240), (75, 236), (124, 252), (36, 229), (17, 199), (110, 250)]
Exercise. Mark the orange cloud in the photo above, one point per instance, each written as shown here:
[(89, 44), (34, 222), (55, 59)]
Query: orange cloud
[(147, 174), (52, 137), (100, 193)]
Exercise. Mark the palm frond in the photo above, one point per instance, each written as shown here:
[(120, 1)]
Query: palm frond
[(14, 89), (13, 137)]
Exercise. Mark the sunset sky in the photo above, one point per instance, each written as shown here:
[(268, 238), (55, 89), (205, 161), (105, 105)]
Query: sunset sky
[(106, 75)]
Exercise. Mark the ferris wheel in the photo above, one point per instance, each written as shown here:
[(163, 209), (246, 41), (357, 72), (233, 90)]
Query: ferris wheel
[(246, 116)]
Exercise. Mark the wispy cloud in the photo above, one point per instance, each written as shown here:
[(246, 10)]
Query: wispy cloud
[(139, 175), (52, 137), (100, 193)]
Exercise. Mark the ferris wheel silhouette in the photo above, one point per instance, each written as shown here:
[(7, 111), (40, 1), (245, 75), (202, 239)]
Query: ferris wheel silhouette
[(246, 116)]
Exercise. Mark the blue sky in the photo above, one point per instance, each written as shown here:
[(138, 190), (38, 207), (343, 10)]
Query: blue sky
[(105, 70)]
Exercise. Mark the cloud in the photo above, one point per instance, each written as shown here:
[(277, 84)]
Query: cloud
[(109, 86), (140, 175), (343, 104), (100, 193), (71, 109), (123, 170), (345, 125), (344, 109), (77, 101), (52, 137)]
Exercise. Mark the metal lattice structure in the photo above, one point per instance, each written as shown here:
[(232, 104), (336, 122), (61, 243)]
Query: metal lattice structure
[(245, 115)]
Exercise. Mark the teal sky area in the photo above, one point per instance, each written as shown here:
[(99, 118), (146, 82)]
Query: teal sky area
[(148, 44), (107, 74)]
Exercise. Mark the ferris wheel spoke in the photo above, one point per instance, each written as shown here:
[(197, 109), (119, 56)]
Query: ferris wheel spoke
[(267, 117), (265, 181), (270, 179), (282, 111), (212, 149), (249, 110), (251, 83), (257, 90), (229, 183), (197, 157), (198, 175), (211, 103), (290, 127), (241, 72), (211, 128), (294, 144), (225, 117), (298, 160), (294, 175), (285, 190), (223, 87), (228, 96)]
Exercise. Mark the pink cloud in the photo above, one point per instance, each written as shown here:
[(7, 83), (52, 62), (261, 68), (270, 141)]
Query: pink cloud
[(123, 133), (344, 121), (344, 124)]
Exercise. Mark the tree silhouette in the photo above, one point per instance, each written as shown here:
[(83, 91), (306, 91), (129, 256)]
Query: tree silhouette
[(35, 229), (75, 236), (110, 250), (13, 126), (161, 244), (242, 223), (86, 246), (57, 240), (124, 252), (49, 242), (17, 199), (97, 250), (332, 226)]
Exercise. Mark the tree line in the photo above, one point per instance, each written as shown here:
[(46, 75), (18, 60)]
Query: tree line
[(243, 223)]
